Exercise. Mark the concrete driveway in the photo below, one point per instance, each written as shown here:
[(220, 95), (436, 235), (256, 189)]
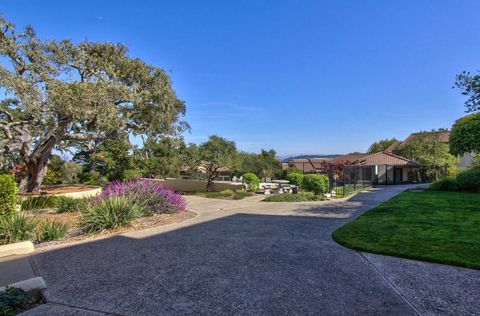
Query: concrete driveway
[(249, 257)]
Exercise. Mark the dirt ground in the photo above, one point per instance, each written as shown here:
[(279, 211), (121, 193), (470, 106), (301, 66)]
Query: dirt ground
[(77, 232), (59, 189)]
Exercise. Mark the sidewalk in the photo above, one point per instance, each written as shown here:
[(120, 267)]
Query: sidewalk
[(14, 269)]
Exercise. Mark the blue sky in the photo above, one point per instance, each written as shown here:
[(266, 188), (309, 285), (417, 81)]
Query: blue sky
[(297, 76)]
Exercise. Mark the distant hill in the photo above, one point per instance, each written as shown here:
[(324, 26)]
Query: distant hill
[(287, 158)]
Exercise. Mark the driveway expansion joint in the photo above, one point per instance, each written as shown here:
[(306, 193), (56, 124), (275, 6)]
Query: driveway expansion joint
[(81, 308), (389, 283)]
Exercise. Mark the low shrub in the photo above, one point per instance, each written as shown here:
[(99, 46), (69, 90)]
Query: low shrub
[(446, 184), (132, 174), (12, 300), (68, 205), (295, 178), (219, 195), (110, 213), (240, 195), (292, 170), (51, 230), (252, 181), (300, 197), (151, 196), (39, 202), (469, 180), (17, 228), (317, 183), (8, 195), (226, 194)]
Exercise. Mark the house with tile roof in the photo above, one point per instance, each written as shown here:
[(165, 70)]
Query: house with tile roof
[(382, 168)]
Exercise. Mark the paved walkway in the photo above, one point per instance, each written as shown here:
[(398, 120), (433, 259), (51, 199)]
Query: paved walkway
[(250, 257)]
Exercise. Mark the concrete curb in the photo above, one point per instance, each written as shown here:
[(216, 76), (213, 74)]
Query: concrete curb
[(18, 248), (32, 284)]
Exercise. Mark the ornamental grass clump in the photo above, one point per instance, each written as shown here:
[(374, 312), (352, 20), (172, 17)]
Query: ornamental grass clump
[(52, 230), (151, 196), (110, 213), (17, 228)]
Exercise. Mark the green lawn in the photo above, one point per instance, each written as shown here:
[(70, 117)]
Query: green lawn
[(433, 226)]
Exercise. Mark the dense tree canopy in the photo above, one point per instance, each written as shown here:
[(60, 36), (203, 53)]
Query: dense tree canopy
[(59, 93), (465, 135), (427, 150), (108, 159), (161, 157), (381, 145), (214, 155), (265, 164)]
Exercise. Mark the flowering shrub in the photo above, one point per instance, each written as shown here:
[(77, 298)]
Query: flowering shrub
[(151, 196)]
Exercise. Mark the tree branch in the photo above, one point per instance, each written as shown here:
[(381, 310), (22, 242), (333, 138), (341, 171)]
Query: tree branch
[(83, 137), (7, 114)]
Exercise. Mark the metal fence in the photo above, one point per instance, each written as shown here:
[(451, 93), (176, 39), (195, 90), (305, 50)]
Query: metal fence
[(348, 179), (344, 179)]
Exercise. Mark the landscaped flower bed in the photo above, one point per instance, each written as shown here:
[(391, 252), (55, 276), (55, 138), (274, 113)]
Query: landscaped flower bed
[(120, 207)]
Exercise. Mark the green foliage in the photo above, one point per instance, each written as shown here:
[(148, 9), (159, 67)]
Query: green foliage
[(62, 172), (445, 184), (12, 300), (68, 205), (292, 170), (381, 145), (226, 194), (427, 150), (252, 181), (240, 195), (317, 183), (216, 154), (107, 161), (300, 197), (265, 164), (62, 94), (161, 157), (55, 170), (17, 228), (430, 225), (93, 178), (51, 230), (39, 202), (8, 195), (219, 195), (295, 178), (111, 213), (469, 180), (470, 86), (465, 135), (132, 174)]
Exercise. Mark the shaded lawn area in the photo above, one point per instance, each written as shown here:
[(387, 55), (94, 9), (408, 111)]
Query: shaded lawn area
[(441, 227)]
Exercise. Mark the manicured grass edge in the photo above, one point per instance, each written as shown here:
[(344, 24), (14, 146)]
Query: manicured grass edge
[(336, 236), (397, 255)]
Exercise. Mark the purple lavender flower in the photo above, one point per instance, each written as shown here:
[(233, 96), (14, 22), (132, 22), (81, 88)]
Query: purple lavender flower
[(150, 194)]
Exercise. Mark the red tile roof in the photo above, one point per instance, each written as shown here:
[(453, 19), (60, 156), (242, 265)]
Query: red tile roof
[(381, 158)]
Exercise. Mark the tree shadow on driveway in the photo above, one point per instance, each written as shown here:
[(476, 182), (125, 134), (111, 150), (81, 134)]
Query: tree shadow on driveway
[(238, 264)]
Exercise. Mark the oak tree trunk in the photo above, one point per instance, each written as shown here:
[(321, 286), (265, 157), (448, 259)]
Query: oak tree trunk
[(34, 174), (37, 164)]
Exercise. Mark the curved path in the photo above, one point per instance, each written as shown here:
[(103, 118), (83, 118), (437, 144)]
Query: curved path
[(249, 257)]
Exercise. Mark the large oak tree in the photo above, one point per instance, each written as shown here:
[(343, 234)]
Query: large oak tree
[(59, 93)]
